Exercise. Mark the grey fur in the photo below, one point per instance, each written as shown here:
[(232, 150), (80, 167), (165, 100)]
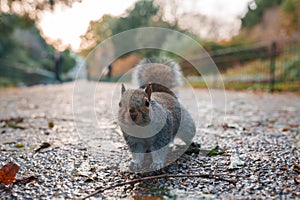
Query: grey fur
[(164, 115), (159, 70)]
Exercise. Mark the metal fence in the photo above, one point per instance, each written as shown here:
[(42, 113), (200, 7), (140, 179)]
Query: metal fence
[(270, 65)]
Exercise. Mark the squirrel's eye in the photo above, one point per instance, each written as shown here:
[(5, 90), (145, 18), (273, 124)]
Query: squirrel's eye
[(120, 104), (147, 103)]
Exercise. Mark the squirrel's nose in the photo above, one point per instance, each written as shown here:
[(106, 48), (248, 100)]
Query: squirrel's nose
[(133, 114)]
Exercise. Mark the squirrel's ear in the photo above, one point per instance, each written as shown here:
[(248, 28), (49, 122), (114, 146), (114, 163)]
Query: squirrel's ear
[(123, 89), (148, 90)]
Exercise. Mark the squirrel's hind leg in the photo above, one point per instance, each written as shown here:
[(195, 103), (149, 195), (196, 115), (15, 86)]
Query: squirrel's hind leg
[(187, 128)]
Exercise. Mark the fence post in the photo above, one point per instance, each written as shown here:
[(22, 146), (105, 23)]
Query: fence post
[(273, 53)]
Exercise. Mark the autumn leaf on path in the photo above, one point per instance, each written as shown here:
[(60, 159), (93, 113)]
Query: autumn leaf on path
[(8, 173)]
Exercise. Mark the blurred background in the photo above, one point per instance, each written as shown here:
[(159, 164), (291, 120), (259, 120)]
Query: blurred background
[(254, 43)]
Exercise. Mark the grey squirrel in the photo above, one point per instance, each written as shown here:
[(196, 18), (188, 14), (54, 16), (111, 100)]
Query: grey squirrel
[(151, 116)]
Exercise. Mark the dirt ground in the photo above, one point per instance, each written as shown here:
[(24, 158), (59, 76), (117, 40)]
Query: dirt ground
[(67, 143)]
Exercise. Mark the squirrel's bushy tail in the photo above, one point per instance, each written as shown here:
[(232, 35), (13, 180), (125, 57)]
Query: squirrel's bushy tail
[(159, 70)]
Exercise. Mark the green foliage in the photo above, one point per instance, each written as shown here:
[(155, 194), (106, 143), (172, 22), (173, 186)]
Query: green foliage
[(8, 23), (291, 71), (212, 46), (23, 52), (22, 42), (144, 14), (194, 148), (289, 6), (97, 32), (68, 61), (228, 54), (254, 15), (139, 16), (291, 14), (216, 151), (22, 47), (181, 45)]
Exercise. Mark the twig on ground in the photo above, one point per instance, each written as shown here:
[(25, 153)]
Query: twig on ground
[(25, 179), (209, 176)]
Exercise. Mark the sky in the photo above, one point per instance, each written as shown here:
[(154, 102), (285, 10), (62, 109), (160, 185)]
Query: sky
[(68, 24)]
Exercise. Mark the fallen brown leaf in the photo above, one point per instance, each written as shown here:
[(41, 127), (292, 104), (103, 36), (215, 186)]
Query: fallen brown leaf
[(285, 129), (8, 173), (296, 165)]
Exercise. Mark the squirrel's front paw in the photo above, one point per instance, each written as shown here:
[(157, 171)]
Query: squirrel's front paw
[(158, 158), (134, 166), (157, 165)]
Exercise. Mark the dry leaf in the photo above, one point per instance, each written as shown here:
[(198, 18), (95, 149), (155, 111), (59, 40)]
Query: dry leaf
[(296, 165), (42, 146), (8, 173), (285, 129)]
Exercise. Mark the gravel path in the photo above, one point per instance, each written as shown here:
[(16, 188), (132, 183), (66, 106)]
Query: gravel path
[(258, 140)]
